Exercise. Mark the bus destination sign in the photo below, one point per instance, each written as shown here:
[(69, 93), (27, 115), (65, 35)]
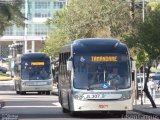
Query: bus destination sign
[(104, 58), (37, 63)]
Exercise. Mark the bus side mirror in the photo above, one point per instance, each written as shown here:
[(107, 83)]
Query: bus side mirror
[(69, 65)]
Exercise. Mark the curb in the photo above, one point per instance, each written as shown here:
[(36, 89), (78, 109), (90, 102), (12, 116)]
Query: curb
[(146, 113)]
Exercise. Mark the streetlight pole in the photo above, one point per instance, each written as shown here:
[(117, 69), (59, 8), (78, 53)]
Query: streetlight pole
[(26, 25)]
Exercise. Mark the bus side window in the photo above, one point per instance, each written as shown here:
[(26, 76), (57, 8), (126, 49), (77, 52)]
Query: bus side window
[(69, 64)]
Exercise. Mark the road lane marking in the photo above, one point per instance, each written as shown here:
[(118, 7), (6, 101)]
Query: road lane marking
[(57, 104), (30, 106)]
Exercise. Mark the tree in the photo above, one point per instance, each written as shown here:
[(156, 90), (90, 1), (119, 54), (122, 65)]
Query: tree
[(147, 38), (90, 18), (10, 14), (54, 43)]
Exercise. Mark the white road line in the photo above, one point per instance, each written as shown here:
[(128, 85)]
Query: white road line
[(57, 104), (30, 106), (22, 100)]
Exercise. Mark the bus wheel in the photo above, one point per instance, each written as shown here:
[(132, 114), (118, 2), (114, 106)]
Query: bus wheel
[(17, 92), (22, 93), (65, 110), (43, 92), (48, 93), (39, 93)]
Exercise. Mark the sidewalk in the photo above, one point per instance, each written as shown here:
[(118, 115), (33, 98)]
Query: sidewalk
[(147, 108)]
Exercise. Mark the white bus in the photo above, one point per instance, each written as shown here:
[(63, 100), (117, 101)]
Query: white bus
[(83, 83), (33, 73)]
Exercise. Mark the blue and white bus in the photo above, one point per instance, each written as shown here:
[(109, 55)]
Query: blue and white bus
[(33, 73), (83, 83)]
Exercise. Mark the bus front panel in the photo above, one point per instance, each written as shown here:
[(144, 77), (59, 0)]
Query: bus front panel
[(96, 75)]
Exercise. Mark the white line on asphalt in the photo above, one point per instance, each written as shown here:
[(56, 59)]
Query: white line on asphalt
[(57, 104), (30, 106)]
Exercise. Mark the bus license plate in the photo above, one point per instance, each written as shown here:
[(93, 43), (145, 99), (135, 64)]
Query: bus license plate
[(41, 83), (94, 96)]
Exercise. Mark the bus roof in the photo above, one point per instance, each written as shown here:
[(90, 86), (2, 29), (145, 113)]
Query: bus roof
[(96, 45), (36, 55)]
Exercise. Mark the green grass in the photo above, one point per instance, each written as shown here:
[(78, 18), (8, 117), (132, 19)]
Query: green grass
[(4, 75)]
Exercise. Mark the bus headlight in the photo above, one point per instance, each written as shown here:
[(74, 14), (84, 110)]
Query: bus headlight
[(49, 83), (78, 96), (126, 95)]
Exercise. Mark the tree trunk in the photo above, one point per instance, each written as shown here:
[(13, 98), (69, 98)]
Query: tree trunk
[(146, 88)]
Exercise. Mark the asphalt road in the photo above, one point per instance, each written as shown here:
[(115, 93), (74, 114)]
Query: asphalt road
[(42, 107)]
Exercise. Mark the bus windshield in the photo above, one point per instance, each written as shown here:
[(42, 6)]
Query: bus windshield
[(104, 71), (35, 70)]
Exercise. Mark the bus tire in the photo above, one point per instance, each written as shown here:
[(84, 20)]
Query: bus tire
[(22, 93), (39, 93), (17, 92), (48, 92), (65, 110)]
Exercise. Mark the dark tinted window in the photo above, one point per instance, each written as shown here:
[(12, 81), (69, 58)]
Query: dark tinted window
[(35, 67)]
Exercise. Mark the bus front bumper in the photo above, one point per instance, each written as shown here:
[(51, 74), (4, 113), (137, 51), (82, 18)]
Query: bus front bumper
[(37, 88), (99, 105)]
